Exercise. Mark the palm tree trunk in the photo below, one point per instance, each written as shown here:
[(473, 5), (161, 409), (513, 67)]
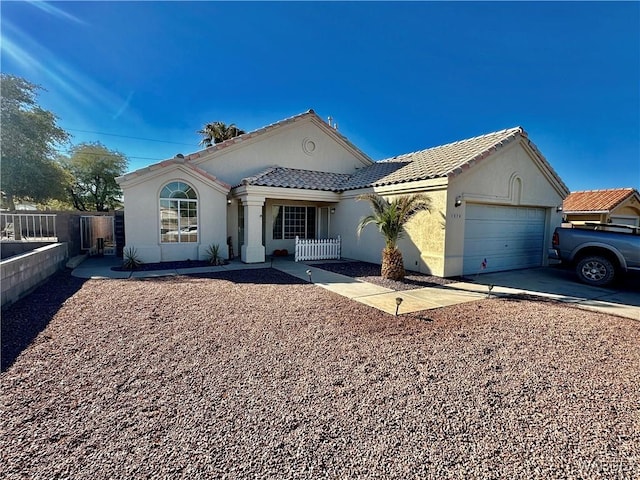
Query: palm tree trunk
[(392, 264)]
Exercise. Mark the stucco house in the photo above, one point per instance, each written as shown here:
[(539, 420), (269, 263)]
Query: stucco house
[(614, 205), (495, 197)]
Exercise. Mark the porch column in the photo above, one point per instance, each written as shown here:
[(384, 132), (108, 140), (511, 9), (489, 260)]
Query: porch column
[(252, 249)]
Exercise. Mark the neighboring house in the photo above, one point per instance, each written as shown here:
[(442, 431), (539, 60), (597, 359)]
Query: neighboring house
[(26, 206), (616, 205), (495, 197)]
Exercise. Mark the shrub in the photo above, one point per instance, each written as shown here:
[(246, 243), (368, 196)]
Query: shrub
[(131, 259), (213, 254)]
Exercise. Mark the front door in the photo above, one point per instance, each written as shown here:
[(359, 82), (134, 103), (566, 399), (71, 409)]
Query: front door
[(323, 222), (240, 227)]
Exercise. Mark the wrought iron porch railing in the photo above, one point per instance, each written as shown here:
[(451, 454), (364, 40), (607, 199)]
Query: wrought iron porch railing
[(28, 227)]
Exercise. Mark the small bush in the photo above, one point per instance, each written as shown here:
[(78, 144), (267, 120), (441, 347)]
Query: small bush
[(213, 254), (131, 259)]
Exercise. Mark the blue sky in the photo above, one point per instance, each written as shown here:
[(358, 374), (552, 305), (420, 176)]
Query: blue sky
[(396, 77)]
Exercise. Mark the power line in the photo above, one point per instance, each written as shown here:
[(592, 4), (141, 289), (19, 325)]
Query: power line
[(128, 136), (68, 152)]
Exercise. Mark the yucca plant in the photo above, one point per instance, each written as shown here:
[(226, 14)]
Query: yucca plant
[(391, 217), (131, 259), (213, 254)]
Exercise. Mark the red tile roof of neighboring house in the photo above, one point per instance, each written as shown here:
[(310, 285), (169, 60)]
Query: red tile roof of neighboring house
[(596, 200)]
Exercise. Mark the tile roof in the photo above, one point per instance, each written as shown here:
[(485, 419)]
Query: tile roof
[(442, 161), (436, 162), (178, 160), (297, 178), (260, 131), (447, 160), (596, 200)]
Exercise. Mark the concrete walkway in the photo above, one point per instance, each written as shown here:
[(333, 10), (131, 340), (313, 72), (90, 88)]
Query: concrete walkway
[(376, 296), (560, 284), (545, 282)]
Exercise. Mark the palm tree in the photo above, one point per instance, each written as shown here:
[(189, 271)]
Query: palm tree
[(218, 132), (391, 218)]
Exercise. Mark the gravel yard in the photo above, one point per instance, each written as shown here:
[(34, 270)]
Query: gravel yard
[(370, 272), (255, 374)]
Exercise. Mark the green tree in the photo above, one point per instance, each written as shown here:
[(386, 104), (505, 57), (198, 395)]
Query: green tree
[(29, 138), (218, 132), (391, 217), (94, 169)]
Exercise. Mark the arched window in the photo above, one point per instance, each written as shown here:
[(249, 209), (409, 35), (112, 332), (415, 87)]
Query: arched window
[(178, 213)]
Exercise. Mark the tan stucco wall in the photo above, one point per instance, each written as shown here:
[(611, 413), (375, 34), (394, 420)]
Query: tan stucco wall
[(142, 219), (510, 177), (589, 217), (630, 209), (423, 246), (285, 147)]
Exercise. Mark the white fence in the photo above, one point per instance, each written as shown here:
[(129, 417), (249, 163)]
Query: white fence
[(28, 227), (322, 249)]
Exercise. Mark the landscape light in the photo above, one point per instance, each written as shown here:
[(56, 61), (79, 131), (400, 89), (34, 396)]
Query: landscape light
[(398, 302), (309, 273)]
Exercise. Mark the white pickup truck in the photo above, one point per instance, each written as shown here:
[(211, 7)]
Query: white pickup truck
[(598, 251)]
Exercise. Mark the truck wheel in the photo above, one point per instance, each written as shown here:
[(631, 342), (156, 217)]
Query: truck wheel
[(596, 271)]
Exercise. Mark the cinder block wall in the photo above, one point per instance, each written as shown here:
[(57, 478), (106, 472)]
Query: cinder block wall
[(11, 248), (23, 273)]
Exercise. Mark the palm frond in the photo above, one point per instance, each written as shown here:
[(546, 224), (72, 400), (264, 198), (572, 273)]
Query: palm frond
[(391, 216)]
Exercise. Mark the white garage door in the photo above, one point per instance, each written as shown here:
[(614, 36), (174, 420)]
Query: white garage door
[(507, 237)]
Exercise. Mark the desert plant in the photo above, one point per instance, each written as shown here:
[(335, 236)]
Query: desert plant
[(131, 259), (391, 217), (213, 254)]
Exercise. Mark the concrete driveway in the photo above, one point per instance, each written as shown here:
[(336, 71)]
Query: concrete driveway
[(561, 284)]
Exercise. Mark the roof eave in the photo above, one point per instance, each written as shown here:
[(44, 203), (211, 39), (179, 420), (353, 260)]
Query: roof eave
[(584, 212), (139, 176), (310, 115)]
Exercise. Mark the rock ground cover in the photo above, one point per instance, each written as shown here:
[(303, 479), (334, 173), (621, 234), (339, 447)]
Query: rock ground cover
[(255, 374), (370, 272)]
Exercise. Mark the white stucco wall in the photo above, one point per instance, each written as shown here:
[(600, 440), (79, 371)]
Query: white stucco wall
[(287, 146), (142, 218)]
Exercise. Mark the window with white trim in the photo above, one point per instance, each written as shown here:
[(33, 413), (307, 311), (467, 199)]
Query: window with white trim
[(293, 221), (178, 213)]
